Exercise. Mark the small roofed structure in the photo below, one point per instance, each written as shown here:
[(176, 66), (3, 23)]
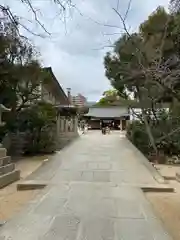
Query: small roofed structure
[(116, 117), (51, 90), (107, 112), (67, 110), (67, 119)]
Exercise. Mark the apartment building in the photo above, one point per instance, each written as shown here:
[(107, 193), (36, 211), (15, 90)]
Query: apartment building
[(79, 100)]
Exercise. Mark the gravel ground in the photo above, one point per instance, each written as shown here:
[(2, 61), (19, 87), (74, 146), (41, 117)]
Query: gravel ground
[(167, 205), (11, 200)]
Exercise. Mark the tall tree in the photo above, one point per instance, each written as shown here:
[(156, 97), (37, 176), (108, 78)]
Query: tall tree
[(20, 71), (175, 5), (146, 65)]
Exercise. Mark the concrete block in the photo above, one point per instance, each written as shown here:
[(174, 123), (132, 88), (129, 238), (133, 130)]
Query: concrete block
[(5, 161), (8, 178), (31, 185), (7, 168), (167, 189)]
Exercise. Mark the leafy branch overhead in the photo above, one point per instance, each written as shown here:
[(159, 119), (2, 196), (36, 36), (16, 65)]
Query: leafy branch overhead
[(21, 77), (20, 71)]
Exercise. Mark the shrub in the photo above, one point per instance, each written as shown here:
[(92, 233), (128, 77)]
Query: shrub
[(137, 135), (37, 125), (165, 132)]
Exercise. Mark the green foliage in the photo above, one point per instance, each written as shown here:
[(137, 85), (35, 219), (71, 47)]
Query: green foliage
[(39, 123), (166, 132), (110, 97), (134, 64), (20, 78), (146, 65), (175, 5), (136, 133), (20, 72)]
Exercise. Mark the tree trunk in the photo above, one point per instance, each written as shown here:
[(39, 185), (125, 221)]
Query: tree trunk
[(149, 132), (147, 125)]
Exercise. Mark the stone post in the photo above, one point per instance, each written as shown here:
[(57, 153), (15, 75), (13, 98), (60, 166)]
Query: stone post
[(71, 125), (58, 125), (61, 123), (121, 124), (75, 124), (66, 125)]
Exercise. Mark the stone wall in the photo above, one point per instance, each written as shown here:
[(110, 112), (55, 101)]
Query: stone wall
[(67, 130), (15, 144)]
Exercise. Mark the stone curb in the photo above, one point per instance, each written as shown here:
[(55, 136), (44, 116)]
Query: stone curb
[(156, 175)]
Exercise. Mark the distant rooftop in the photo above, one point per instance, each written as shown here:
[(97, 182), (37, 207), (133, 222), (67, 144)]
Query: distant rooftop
[(90, 103), (107, 112)]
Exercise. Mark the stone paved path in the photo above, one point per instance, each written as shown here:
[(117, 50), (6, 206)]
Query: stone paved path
[(93, 194)]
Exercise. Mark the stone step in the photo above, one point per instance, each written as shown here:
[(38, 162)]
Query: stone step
[(5, 161), (158, 189), (8, 178), (7, 168), (3, 152)]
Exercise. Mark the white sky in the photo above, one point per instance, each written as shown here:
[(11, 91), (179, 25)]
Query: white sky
[(75, 50)]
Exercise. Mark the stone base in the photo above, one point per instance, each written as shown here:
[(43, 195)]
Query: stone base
[(8, 178), (5, 161), (3, 152), (7, 168)]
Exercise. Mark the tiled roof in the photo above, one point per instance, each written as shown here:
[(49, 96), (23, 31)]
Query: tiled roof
[(107, 112), (57, 86)]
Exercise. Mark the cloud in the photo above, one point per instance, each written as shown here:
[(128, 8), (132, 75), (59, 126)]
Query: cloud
[(77, 46)]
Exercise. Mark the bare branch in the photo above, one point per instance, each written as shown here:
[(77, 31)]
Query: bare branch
[(128, 8), (123, 22), (63, 6), (28, 3), (117, 7), (15, 22)]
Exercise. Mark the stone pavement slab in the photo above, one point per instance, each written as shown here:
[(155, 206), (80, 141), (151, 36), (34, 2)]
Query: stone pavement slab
[(93, 194)]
